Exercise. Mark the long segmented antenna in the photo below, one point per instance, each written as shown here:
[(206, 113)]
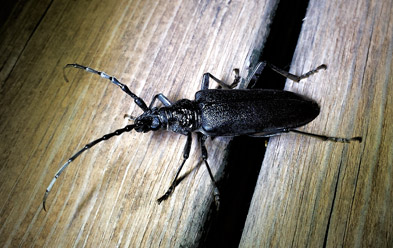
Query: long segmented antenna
[(127, 128), (139, 101)]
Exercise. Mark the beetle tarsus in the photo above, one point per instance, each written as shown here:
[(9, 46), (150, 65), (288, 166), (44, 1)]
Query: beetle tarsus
[(344, 140), (307, 74), (216, 198), (166, 195)]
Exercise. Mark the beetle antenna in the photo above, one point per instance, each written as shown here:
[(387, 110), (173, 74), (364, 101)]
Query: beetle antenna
[(139, 101), (127, 128)]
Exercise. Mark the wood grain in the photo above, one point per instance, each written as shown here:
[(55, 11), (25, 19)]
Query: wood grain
[(107, 197), (312, 193)]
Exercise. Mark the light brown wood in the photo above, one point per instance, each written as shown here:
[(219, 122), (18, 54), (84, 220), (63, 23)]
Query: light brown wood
[(107, 196), (312, 193)]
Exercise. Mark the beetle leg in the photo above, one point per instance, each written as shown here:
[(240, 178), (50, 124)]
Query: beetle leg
[(328, 138), (202, 139), (254, 75), (162, 99), (207, 75), (293, 77), (236, 78), (186, 153)]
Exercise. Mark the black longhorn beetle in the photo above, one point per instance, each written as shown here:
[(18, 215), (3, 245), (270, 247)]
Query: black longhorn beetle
[(217, 112)]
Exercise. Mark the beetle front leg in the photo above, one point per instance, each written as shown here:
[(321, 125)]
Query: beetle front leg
[(216, 192), (186, 153), (162, 99)]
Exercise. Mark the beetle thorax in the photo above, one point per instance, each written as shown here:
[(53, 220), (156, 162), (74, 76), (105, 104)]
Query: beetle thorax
[(182, 117)]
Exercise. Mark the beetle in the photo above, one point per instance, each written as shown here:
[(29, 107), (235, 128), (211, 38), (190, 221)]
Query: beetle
[(217, 112)]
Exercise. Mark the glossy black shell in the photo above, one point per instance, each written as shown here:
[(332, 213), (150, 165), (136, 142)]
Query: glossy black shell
[(248, 112)]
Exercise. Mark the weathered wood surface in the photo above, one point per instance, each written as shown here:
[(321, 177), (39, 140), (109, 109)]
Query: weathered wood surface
[(107, 197), (312, 193)]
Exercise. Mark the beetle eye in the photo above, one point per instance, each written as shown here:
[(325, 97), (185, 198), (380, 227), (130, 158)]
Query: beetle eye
[(155, 123), (147, 124)]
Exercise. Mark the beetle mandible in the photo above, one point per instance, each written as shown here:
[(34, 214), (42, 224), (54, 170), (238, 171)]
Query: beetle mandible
[(217, 112)]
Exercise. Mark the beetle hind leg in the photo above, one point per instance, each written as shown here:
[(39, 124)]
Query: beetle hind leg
[(293, 77), (328, 138), (216, 192)]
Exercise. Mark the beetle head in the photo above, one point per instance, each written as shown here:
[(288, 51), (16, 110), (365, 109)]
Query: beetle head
[(148, 121)]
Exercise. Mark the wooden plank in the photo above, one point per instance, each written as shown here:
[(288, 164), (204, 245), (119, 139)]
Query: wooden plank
[(107, 196), (19, 23), (312, 193)]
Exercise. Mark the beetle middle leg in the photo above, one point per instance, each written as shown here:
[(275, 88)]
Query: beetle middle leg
[(202, 138), (161, 97)]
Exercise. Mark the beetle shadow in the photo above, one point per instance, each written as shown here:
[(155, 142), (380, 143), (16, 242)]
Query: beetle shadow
[(87, 198), (188, 172), (82, 205)]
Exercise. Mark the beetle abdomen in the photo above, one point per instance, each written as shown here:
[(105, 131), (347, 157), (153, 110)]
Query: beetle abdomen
[(245, 112)]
